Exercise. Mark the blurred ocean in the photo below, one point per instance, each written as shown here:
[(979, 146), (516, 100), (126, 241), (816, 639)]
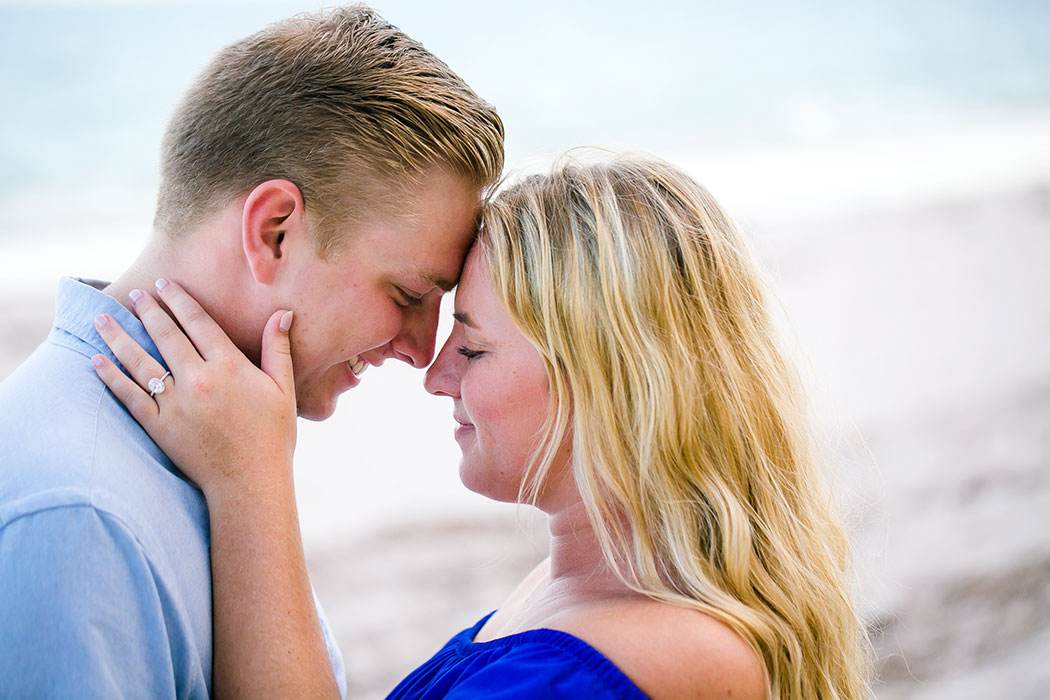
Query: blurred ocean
[(761, 98), (88, 86), (786, 110)]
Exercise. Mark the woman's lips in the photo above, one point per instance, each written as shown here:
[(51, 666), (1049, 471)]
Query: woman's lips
[(463, 428)]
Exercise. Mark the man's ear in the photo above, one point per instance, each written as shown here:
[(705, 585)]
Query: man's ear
[(273, 218)]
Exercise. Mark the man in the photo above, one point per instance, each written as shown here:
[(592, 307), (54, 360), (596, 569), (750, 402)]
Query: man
[(327, 164)]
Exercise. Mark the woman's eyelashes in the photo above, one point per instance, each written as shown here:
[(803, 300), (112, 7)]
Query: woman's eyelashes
[(469, 353)]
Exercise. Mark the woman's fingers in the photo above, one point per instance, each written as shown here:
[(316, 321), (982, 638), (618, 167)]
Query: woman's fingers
[(139, 363), (174, 346), (276, 351), (209, 339), (139, 403)]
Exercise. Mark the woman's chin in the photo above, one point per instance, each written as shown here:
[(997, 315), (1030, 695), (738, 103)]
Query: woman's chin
[(491, 489)]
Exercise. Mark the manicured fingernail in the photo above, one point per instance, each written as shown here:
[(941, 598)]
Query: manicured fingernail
[(97, 362), (135, 295), (286, 321), (161, 284), (101, 321)]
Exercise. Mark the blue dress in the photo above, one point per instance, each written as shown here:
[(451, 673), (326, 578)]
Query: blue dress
[(539, 663)]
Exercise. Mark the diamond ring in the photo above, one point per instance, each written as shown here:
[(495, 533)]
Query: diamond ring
[(156, 385)]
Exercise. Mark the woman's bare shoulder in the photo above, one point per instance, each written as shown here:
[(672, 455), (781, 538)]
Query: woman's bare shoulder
[(671, 652)]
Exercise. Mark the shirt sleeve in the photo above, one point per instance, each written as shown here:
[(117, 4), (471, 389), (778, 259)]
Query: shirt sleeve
[(334, 655), (80, 612)]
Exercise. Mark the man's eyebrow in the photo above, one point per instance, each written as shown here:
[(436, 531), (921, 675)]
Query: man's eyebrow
[(439, 281), (463, 318)]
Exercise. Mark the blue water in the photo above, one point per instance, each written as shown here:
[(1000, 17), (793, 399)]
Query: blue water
[(87, 89)]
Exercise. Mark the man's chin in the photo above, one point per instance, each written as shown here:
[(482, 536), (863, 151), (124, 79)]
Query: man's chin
[(317, 410), (317, 400)]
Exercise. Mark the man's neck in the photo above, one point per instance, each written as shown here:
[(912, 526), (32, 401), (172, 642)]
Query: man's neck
[(212, 273), (158, 259)]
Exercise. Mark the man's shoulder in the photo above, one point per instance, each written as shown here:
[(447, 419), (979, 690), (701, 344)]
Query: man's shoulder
[(48, 412), (56, 372), (64, 436), (53, 414), (87, 499), (87, 602)]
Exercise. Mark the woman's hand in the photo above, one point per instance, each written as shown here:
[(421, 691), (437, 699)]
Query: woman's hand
[(231, 428), (227, 424)]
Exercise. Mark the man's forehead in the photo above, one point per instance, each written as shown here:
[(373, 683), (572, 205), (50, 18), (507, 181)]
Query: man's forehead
[(443, 271)]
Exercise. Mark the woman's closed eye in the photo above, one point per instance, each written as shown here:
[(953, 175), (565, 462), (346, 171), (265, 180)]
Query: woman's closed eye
[(469, 353)]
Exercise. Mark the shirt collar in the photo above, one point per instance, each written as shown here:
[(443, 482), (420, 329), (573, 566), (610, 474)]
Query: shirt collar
[(80, 300)]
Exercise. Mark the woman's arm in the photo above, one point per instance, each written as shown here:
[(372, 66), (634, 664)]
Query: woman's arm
[(231, 428), (268, 640)]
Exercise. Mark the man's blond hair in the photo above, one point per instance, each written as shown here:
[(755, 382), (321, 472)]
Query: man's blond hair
[(343, 104)]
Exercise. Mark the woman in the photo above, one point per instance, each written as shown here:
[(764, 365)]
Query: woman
[(613, 362)]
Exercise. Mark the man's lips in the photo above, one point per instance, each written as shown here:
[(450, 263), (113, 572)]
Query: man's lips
[(352, 371), (357, 365)]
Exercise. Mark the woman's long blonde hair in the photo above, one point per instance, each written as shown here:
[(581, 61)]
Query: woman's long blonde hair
[(691, 441)]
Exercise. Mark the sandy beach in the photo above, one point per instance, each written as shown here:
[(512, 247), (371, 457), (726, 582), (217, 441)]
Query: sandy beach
[(926, 331)]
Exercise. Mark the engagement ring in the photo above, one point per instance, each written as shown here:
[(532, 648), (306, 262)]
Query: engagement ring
[(156, 385)]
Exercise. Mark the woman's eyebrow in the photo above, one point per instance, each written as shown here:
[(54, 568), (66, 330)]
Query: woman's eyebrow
[(464, 319)]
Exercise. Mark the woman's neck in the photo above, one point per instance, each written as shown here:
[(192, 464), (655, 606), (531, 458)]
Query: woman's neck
[(575, 553), (579, 571), (574, 580)]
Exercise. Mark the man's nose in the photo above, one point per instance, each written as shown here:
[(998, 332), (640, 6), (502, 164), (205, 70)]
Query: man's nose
[(414, 344), (440, 379)]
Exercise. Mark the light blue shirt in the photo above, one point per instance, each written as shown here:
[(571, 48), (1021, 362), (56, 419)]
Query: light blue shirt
[(105, 581)]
